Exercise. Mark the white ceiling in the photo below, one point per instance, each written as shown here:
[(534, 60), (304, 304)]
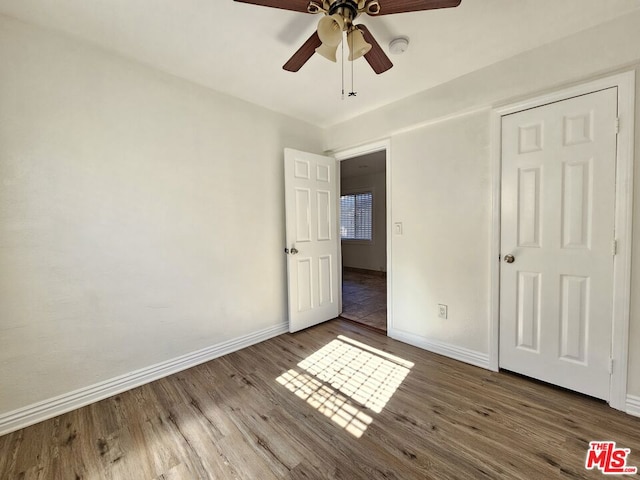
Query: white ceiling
[(239, 49)]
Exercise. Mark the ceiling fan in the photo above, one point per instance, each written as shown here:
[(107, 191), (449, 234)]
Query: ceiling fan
[(338, 18)]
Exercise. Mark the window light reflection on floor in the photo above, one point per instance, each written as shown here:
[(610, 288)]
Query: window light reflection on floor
[(343, 378)]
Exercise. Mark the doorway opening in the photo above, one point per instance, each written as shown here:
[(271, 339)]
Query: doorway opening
[(363, 234)]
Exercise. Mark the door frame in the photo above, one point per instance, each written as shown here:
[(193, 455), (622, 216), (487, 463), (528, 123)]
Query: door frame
[(346, 154), (625, 82)]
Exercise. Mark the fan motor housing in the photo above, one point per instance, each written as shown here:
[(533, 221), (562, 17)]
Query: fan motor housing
[(346, 5)]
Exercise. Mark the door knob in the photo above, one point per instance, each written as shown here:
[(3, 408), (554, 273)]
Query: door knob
[(293, 250), (509, 258)]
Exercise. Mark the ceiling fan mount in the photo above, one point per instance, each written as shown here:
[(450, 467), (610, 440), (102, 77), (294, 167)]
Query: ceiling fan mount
[(338, 18), (371, 7), (343, 6)]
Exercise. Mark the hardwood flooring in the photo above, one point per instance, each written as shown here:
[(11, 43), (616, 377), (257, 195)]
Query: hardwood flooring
[(336, 401), (364, 298)]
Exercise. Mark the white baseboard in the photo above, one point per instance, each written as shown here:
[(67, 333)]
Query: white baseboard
[(53, 407), (452, 351), (633, 405)]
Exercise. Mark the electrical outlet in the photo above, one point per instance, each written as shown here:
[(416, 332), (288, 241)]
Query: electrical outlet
[(443, 311)]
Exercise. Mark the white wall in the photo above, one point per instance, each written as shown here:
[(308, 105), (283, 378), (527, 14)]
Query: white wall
[(440, 188), (436, 137), (369, 256), (141, 217)]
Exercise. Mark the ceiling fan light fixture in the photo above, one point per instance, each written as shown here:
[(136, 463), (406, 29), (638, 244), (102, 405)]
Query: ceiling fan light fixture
[(330, 29), (341, 15), (358, 46), (328, 51)]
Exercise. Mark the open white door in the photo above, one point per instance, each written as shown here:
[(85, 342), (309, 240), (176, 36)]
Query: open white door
[(312, 238)]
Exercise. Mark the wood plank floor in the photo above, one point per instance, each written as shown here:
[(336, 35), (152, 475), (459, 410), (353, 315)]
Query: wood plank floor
[(364, 297), (320, 405)]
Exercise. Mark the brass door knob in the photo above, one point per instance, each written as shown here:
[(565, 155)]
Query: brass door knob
[(509, 258)]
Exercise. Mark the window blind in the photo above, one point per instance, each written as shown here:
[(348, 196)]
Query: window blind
[(356, 216)]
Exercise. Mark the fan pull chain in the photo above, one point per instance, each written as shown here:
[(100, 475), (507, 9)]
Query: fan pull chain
[(352, 93), (342, 65)]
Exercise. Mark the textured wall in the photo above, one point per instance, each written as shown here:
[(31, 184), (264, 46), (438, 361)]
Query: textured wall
[(141, 217)]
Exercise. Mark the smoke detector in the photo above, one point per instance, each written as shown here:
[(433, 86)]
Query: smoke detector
[(399, 45)]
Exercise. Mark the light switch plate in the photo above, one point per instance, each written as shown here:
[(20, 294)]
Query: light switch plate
[(397, 228), (443, 311)]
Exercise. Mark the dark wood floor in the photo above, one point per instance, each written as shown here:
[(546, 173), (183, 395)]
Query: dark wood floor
[(364, 298), (324, 403)]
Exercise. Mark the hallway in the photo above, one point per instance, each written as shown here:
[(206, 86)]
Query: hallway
[(364, 298)]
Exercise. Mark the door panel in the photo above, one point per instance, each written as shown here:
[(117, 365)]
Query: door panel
[(558, 201), (573, 317), (312, 241), (303, 213), (324, 215), (529, 207), (576, 204), (528, 314)]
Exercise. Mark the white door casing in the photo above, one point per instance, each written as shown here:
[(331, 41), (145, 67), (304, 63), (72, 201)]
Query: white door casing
[(312, 238), (558, 212), (341, 155)]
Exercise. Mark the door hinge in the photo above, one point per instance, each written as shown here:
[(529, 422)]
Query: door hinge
[(617, 124), (614, 247), (610, 366)]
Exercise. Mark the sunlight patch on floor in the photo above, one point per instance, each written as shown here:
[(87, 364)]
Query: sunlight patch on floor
[(344, 378)]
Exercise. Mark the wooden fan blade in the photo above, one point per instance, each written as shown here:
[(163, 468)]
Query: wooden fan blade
[(304, 53), (295, 5), (388, 7), (376, 56)]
